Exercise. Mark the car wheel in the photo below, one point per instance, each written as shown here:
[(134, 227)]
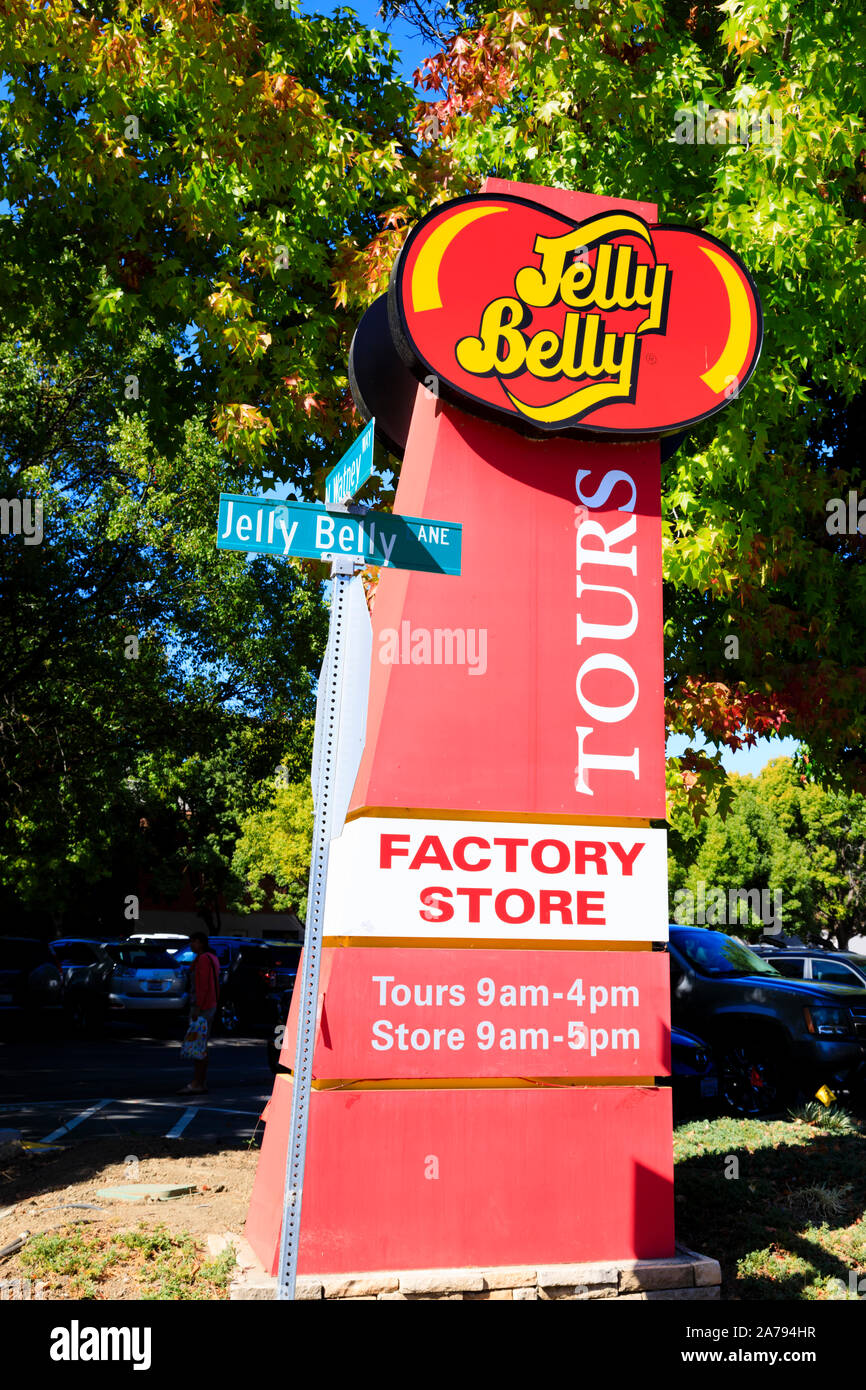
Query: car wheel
[(754, 1079)]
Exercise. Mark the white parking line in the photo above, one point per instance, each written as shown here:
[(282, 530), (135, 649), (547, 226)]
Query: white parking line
[(217, 1109), (182, 1123), (137, 1100), (79, 1119), (141, 1103)]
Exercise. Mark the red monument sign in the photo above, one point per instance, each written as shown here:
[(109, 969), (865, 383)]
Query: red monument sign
[(492, 1018)]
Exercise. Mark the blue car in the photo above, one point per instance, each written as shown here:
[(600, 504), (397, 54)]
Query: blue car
[(694, 1075)]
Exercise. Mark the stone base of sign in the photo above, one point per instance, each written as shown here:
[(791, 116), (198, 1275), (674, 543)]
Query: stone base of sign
[(686, 1275)]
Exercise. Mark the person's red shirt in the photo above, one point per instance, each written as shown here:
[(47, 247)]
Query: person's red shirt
[(206, 972)]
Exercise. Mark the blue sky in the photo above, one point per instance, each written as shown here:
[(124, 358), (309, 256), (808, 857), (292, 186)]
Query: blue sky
[(748, 760), (411, 48)]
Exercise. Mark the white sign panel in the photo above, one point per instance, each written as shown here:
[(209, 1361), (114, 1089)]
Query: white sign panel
[(489, 880)]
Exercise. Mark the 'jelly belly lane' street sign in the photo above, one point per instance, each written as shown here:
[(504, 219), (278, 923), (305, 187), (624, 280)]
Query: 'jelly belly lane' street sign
[(347, 478), (481, 880), (410, 1013), (308, 530)]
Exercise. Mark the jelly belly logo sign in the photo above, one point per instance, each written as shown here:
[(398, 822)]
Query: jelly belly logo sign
[(496, 880), (607, 326)]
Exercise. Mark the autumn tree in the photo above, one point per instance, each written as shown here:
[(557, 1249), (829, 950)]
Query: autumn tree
[(273, 851), (745, 119), (204, 170)]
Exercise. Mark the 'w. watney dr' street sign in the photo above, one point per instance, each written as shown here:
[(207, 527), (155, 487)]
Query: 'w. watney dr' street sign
[(353, 470)]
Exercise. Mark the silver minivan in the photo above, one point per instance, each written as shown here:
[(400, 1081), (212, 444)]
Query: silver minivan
[(148, 979)]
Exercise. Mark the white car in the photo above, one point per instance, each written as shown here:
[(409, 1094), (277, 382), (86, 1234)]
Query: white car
[(169, 941)]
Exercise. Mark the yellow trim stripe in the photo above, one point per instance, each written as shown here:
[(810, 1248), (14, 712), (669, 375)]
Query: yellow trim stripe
[(451, 943), (513, 817)]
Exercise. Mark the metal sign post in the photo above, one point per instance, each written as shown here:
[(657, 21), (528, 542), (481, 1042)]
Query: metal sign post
[(334, 771)]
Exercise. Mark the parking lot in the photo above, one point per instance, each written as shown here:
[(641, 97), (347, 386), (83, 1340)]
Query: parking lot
[(124, 1084)]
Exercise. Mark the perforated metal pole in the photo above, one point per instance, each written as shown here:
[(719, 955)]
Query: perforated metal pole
[(342, 570)]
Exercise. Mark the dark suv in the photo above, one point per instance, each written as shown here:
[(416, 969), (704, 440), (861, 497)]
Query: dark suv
[(257, 986), (255, 979), (774, 1037)]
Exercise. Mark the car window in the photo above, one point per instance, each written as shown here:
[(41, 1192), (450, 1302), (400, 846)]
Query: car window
[(222, 950), (145, 958), (74, 954), (834, 972), (714, 953), (168, 944), (793, 968), (283, 957), (254, 955)]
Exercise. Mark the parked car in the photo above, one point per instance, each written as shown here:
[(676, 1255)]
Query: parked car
[(774, 1037), (87, 971), (813, 963), (31, 983), (225, 948), (148, 980), (258, 983), (694, 1074), (278, 1006), (254, 977)]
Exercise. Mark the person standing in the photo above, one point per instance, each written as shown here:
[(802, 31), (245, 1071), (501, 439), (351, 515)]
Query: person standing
[(204, 997)]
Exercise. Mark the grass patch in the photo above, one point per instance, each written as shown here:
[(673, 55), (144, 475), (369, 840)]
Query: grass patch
[(152, 1263), (830, 1117), (780, 1203)]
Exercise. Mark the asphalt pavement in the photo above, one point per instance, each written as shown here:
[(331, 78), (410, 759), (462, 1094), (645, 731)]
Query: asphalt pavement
[(125, 1083)]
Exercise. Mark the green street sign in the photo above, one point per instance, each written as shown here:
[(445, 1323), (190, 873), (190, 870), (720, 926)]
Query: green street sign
[(307, 529), (353, 470)]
